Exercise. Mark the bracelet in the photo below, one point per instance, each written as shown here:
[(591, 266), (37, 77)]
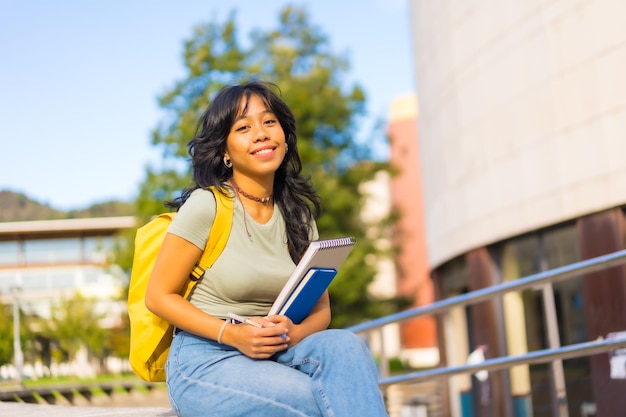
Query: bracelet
[(219, 335)]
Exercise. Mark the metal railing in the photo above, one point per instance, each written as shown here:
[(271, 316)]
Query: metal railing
[(535, 281)]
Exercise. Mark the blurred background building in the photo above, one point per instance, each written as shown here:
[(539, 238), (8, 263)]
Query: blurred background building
[(49, 260), (45, 263), (522, 118), (418, 337), (405, 273)]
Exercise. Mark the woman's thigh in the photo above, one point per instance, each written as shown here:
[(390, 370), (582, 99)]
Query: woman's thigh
[(205, 378)]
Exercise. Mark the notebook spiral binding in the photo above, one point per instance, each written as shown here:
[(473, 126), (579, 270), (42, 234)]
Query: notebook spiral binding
[(335, 243)]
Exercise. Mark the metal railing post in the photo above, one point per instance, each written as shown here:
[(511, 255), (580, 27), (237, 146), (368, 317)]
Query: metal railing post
[(384, 360), (557, 375), (17, 342)]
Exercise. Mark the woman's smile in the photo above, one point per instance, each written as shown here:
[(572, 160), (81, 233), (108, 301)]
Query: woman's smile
[(264, 151)]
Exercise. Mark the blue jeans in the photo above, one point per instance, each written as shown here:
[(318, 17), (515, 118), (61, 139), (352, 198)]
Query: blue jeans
[(330, 373)]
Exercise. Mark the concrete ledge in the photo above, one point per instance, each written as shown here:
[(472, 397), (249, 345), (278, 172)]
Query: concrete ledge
[(71, 392), (8, 409)]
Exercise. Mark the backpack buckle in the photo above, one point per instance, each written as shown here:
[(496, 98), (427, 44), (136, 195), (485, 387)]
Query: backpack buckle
[(196, 273)]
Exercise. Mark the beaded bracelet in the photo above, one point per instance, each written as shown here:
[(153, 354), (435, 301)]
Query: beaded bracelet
[(219, 335)]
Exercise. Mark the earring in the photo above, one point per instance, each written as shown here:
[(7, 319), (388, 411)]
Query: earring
[(286, 147), (227, 162)]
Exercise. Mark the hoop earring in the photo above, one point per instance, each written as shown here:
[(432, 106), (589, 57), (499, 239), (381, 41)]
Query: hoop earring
[(227, 162), (286, 148)]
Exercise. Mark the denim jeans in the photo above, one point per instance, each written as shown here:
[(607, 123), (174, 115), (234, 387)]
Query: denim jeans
[(330, 373)]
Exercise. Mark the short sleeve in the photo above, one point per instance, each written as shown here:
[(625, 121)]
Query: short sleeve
[(195, 218)]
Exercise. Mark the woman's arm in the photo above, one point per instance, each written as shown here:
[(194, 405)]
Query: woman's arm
[(171, 271), (316, 321), (176, 259)]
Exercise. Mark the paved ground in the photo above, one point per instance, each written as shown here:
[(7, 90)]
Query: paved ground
[(37, 410), (133, 404)]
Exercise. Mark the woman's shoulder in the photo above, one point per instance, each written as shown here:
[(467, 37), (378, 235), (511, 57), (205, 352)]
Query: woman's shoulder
[(195, 217), (201, 194), (200, 203)]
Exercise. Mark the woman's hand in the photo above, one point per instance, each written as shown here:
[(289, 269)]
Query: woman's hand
[(317, 320), (277, 333), (293, 330), (257, 342)]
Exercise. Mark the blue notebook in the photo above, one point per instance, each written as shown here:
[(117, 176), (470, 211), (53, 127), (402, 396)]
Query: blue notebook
[(311, 277), (304, 297)]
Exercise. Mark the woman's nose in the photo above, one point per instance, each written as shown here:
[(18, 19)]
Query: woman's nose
[(261, 133)]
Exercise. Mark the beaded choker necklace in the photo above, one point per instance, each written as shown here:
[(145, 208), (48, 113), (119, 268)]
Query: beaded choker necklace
[(262, 200)]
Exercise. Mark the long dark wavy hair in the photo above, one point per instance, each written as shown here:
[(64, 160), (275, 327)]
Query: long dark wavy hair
[(294, 194)]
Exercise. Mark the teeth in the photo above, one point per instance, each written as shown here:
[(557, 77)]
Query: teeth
[(264, 151)]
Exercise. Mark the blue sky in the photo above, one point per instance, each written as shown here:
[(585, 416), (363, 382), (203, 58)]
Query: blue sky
[(79, 81)]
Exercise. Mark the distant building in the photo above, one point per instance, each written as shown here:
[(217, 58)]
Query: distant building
[(405, 273), (418, 336), (46, 261), (522, 121), (375, 210)]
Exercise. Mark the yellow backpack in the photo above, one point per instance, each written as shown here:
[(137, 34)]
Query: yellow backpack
[(150, 335)]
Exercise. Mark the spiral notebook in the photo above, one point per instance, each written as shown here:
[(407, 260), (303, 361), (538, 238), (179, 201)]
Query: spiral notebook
[(311, 277)]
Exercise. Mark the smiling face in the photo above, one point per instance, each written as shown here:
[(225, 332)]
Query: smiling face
[(256, 141)]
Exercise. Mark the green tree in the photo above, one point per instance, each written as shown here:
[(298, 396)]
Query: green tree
[(73, 324), (6, 334), (26, 335), (120, 338), (298, 58)]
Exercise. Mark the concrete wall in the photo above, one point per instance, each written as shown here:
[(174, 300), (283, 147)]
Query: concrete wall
[(522, 115)]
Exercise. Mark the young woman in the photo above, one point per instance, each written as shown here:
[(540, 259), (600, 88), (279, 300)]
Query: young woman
[(246, 147)]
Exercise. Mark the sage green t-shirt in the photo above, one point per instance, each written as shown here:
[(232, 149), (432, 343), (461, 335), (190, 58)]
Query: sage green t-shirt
[(250, 272)]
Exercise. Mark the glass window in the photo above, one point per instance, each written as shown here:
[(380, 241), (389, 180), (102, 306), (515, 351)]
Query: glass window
[(64, 278), (9, 253), (520, 258), (525, 250), (453, 277), (7, 281), (561, 248), (91, 275), (35, 280), (52, 251), (96, 248)]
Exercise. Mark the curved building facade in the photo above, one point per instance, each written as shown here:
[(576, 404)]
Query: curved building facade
[(522, 137)]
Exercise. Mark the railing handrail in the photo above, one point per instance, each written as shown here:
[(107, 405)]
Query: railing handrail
[(476, 296), (554, 354), (502, 362)]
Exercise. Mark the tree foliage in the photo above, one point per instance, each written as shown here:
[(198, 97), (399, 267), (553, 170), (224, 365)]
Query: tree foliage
[(7, 351), (74, 324), (297, 57), (6, 334), (120, 338)]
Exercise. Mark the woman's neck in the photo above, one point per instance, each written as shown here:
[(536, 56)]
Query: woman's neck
[(253, 190)]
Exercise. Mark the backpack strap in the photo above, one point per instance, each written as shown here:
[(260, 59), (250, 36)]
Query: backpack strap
[(218, 235)]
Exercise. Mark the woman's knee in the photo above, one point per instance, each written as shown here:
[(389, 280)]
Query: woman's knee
[(339, 339)]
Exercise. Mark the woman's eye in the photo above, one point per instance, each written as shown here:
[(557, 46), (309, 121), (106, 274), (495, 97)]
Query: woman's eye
[(241, 128), (270, 121)]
